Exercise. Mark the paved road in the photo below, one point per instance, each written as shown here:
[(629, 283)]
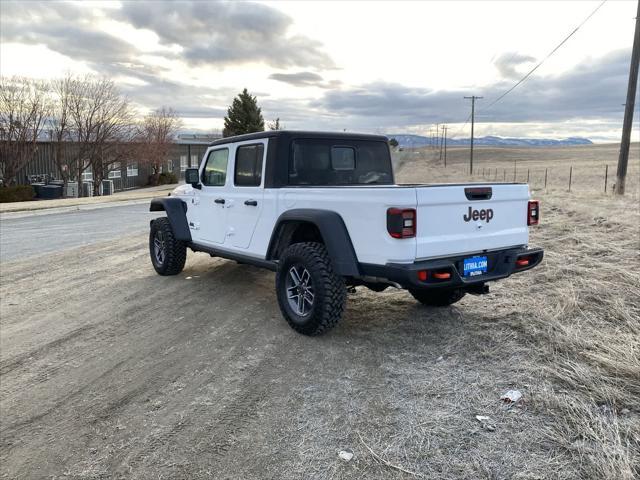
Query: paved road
[(32, 235)]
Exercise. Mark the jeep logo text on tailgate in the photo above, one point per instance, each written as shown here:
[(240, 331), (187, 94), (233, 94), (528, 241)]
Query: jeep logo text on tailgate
[(483, 214)]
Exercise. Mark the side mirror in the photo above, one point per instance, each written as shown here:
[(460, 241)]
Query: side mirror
[(192, 176)]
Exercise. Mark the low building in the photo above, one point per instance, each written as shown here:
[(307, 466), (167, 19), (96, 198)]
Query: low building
[(186, 152)]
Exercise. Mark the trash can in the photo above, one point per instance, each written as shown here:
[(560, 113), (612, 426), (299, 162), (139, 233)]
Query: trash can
[(50, 192), (107, 187), (87, 189), (72, 190), (37, 187)]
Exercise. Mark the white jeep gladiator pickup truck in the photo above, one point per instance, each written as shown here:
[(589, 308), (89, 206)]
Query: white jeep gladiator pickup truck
[(323, 211)]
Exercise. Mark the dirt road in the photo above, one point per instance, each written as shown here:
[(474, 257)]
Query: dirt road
[(197, 376), (110, 371)]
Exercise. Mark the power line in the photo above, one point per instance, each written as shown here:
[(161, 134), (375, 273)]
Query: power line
[(545, 58), (461, 128)]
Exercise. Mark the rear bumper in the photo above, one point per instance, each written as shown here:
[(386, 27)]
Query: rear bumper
[(501, 264)]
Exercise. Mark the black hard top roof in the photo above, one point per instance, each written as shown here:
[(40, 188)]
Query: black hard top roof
[(292, 134)]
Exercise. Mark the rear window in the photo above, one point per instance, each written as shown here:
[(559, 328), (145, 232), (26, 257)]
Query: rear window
[(249, 165), (329, 162)]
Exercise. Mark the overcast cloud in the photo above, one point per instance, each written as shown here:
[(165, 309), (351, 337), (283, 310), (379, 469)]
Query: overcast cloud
[(209, 33), (592, 91), (195, 56), (227, 33)]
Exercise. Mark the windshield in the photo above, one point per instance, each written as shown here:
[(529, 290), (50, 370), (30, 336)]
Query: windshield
[(339, 162)]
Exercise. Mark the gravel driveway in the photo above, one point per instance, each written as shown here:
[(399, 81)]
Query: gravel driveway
[(108, 370)]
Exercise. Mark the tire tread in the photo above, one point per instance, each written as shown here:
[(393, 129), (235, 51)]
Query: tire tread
[(334, 291), (176, 250)]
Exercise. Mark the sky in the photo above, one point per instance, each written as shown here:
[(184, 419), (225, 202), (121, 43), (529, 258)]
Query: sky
[(381, 67)]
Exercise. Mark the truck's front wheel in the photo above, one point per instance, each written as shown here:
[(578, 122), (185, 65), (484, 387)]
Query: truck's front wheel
[(438, 297), (311, 295), (168, 255)]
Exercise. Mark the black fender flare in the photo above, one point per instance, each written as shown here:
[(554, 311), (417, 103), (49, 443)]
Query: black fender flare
[(176, 212), (334, 234)]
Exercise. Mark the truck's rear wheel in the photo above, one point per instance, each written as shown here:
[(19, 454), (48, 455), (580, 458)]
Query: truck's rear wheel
[(311, 295), (168, 255), (438, 297)]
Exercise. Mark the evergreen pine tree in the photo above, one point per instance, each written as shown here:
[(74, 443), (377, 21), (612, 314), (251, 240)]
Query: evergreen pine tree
[(243, 116)]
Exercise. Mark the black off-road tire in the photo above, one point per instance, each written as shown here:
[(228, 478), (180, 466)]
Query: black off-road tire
[(175, 251), (330, 293), (438, 297)]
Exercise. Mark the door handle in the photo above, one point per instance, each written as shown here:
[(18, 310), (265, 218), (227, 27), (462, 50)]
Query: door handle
[(219, 200), (252, 203)]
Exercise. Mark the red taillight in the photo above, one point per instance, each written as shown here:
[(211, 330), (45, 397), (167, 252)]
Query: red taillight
[(422, 275), (442, 275), (522, 262), (401, 222), (533, 212)]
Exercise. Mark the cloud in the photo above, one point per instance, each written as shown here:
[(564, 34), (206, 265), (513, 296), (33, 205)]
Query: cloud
[(187, 101), (507, 63), (65, 28), (305, 79), (193, 34), (217, 33), (300, 79), (203, 33), (593, 90)]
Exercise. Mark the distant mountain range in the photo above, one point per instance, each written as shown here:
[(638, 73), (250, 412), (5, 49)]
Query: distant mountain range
[(410, 141)]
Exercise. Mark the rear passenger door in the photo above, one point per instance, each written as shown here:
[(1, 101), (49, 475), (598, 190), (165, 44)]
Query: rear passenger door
[(245, 194)]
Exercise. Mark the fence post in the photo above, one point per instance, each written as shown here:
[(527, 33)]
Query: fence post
[(527, 175), (570, 175), (545, 178), (606, 174)]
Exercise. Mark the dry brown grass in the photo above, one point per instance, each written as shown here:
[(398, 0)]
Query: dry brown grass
[(516, 164), (583, 322)]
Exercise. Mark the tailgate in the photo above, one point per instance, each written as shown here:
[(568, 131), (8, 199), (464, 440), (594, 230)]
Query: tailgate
[(459, 219)]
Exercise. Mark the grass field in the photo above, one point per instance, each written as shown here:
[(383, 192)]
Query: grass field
[(580, 330), (588, 165)]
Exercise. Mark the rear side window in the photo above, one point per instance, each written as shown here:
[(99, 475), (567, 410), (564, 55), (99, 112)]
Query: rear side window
[(249, 165), (215, 170), (328, 162), (343, 158)]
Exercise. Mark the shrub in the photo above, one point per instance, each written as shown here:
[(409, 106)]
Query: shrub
[(153, 180), (17, 193), (167, 177)]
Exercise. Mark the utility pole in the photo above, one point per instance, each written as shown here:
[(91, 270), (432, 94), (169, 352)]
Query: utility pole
[(473, 113), (441, 141), (434, 144), (628, 109), (445, 146)]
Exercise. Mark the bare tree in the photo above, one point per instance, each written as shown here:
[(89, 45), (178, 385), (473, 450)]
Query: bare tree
[(24, 108), (60, 122), (156, 135), (100, 118), (275, 125)]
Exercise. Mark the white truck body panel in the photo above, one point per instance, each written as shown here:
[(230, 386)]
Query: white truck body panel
[(441, 228)]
